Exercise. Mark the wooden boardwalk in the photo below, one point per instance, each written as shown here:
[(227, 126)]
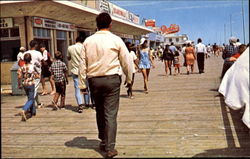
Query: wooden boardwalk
[(182, 116)]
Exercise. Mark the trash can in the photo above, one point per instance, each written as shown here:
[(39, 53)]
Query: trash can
[(14, 81)]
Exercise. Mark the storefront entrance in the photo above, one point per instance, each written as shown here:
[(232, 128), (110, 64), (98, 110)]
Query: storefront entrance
[(61, 38)]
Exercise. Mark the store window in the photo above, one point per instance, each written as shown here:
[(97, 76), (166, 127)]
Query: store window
[(42, 35), (4, 33), (14, 32), (9, 44), (177, 39), (170, 40)]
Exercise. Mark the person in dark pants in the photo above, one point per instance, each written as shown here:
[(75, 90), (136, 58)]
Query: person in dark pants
[(103, 57), (200, 49), (59, 72), (229, 51)]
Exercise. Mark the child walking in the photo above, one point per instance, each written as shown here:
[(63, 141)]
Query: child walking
[(133, 58), (27, 75), (177, 63), (59, 74)]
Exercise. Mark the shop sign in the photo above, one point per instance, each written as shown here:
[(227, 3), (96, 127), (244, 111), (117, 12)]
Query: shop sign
[(124, 35), (6, 22), (104, 6), (119, 12), (52, 24), (150, 22), (64, 26), (157, 29), (133, 18), (172, 29)]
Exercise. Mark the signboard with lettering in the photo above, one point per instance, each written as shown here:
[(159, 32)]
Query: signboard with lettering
[(150, 22), (124, 35), (119, 12), (6, 22), (133, 18), (174, 28), (52, 24), (104, 6)]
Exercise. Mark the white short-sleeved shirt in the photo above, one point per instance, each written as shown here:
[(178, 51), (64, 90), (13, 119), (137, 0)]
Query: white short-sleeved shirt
[(20, 56), (36, 58), (200, 48), (45, 55), (133, 57)]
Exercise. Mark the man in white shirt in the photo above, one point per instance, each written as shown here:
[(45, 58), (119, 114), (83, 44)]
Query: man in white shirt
[(103, 58), (200, 49), (74, 52), (36, 60)]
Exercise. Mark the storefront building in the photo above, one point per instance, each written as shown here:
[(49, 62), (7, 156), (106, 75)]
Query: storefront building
[(156, 39), (57, 24), (178, 40)]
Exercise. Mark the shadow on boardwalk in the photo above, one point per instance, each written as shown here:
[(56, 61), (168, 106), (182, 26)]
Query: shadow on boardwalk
[(84, 143), (242, 132)]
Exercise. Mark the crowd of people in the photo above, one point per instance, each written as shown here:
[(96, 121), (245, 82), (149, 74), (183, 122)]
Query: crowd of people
[(97, 63)]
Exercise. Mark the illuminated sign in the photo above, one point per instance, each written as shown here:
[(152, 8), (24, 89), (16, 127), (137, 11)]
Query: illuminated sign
[(172, 29), (150, 22)]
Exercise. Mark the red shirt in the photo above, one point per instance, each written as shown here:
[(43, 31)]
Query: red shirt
[(236, 55)]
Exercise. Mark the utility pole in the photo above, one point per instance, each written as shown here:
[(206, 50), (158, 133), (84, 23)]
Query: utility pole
[(225, 33), (231, 25), (243, 23)]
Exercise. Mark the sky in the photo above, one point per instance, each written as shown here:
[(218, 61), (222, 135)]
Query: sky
[(206, 19)]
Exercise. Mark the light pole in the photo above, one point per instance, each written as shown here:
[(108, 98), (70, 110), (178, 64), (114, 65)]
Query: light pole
[(243, 23)]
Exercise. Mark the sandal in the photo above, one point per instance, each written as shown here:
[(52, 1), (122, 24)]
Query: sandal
[(23, 115), (55, 106), (52, 93)]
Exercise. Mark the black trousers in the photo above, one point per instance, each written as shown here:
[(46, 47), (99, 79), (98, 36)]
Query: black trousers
[(106, 93), (226, 66), (200, 61)]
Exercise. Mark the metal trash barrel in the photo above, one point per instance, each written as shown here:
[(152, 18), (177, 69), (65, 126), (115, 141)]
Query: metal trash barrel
[(14, 80)]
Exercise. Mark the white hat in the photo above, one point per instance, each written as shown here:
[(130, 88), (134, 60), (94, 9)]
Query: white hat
[(233, 39), (22, 48), (142, 41)]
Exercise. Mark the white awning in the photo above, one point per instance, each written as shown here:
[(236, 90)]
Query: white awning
[(67, 11)]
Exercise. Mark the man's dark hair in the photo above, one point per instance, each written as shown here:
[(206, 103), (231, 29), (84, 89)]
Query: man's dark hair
[(58, 55), (42, 45), (238, 40), (103, 20), (80, 39), (128, 44), (172, 43), (27, 58), (199, 40), (33, 44)]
